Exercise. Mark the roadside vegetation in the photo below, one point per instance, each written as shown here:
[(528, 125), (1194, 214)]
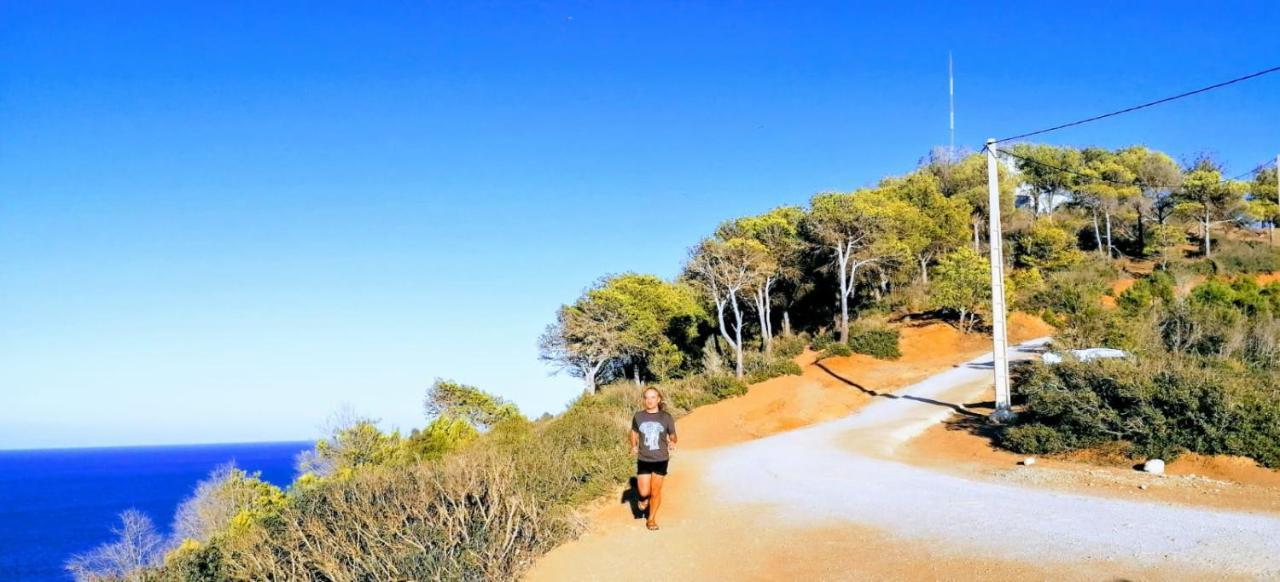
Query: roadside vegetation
[(479, 491), (1203, 376)]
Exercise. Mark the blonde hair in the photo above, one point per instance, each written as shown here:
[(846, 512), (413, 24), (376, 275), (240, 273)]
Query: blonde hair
[(662, 400)]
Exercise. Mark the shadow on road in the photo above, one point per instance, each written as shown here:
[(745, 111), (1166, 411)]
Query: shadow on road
[(958, 408)]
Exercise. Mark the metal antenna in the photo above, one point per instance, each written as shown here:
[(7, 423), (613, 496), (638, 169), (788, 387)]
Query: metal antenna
[(951, 94)]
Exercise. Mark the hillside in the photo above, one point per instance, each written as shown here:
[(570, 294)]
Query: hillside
[(718, 524)]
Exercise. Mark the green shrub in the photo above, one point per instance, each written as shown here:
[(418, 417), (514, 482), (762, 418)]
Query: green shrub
[(1271, 293), (683, 399), (822, 341), (1162, 284), (192, 561), (1135, 299), (789, 346), (1022, 284), (475, 516), (879, 343), (773, 369), (575, 458), (1034, 439), (836, 350), (1045, 247), (1142, 295), (723, 386), (618, 396), (1162, 407), (1067, 296), (1192, 267), (689, 393), (906, 299), (1213, 293), (1246, 258)]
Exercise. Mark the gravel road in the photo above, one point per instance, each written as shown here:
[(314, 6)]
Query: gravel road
[(843, 470)]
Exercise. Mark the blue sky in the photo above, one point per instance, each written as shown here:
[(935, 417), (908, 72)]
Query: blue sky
[(224, 221)]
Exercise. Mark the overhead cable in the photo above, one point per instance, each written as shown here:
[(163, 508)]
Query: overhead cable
[(1144, 105)]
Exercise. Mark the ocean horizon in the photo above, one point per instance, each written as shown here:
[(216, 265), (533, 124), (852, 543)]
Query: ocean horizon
[(55, 503)]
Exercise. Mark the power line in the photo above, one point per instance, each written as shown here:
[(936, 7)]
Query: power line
[(1115, 182), (1067, 170), (1255, 170), (1145, 105)]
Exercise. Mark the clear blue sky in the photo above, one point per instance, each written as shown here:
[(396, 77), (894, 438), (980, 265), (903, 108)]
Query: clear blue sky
[(222, 221)]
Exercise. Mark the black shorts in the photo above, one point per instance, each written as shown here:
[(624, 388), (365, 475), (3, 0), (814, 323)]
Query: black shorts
[(647, 467)]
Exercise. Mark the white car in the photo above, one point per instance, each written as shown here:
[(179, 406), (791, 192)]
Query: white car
[(1086, 355)]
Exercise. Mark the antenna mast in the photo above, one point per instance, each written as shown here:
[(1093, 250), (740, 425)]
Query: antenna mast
[(951, 94)]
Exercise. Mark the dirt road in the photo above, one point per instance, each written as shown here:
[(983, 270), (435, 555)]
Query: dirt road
[(831, 502)]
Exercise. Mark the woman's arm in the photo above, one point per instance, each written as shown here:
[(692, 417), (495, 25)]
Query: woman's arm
[(671, 441), (635, 442)]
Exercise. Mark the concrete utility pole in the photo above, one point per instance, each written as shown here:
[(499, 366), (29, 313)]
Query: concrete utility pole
[(999, 333)]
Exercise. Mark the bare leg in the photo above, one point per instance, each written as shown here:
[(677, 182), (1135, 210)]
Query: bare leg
[(655, 499), (642, 490)]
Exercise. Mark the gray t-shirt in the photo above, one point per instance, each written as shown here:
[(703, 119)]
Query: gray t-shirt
[(653, 428)]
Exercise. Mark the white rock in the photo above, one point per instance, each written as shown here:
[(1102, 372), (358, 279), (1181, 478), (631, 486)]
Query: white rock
[(1154, 466), (1029, 461)]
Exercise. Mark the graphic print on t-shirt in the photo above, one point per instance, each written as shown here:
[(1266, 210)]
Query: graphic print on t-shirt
[(651, 430)]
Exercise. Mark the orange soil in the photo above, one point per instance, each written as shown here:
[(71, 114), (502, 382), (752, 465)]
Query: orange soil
[(1117, 287), (836, 386), (702, 539), (1122, 285), (1214, 481), (1137, 266)]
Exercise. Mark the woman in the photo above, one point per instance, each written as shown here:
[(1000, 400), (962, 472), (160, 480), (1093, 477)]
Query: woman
[(653, 439)]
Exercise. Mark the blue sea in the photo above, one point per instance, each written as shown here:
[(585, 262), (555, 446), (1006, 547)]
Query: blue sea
[(58, 502)]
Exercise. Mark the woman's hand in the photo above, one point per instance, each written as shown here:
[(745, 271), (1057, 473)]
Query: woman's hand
[(635, 450)]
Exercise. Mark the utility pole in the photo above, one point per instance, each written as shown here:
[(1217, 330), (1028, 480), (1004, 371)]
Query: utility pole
[(999, 333)]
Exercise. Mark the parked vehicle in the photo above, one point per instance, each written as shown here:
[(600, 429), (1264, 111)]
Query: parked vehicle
[(1085, 355)]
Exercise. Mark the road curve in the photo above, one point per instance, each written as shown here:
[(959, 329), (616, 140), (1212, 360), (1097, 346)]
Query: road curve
[(844, 471)]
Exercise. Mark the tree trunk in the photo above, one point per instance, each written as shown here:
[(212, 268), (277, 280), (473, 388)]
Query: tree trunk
[(976, 245), (768, 320), (786, 323), (1207, 243), (843, 258), (924, 270), (844, 315), (737, 331), (762, 311), (1097, 235), (590, 377), (1142, 232), (1110, 247)]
